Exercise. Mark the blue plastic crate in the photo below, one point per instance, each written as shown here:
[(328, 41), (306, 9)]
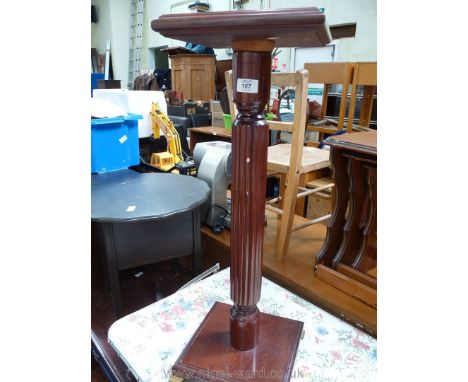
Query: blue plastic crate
[(114, 143)]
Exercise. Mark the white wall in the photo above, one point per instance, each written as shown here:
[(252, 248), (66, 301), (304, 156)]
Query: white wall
[(114, 25), (114, 21), (120, 43), (102, 30), (363, 47)]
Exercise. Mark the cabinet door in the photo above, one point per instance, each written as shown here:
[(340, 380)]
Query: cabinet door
[(201, 82), (177, 74)]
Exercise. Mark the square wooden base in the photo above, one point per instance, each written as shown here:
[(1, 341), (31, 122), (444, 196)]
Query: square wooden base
[(209, 355)]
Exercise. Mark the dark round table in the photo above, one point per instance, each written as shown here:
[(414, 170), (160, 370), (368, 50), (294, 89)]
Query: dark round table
[(143, 218)]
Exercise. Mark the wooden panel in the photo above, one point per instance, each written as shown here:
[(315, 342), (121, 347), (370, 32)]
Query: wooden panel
[(363, 142), (366, 105), (348, 285), (329, 72), (358, 201), (372, 272), (207, 134), (210, 130), (301, 204), (318, 206), (358, 276), (284, 80), (341, 199), (327, 129), (343, 30), (281, 126), (192, 59), (366, 73), (222, 66), (194, 75), (198, 84), (177, 80)]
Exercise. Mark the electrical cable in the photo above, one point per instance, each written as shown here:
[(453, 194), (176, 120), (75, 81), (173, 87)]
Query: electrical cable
[(218, 224)]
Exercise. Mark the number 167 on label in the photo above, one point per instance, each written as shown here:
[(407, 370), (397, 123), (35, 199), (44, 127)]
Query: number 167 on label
[(245, 85)]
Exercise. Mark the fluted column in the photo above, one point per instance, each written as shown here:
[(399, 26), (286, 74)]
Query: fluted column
[(251, 90)]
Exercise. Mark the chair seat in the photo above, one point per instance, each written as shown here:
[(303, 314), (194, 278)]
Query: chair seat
[(312, 158)]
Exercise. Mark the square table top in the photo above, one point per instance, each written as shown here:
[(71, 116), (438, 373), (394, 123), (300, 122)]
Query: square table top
[(279, 158), (364, 141), (150, 340), (290, 27)]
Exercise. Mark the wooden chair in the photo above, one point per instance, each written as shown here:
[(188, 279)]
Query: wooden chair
[(330, 73), (290, 161), (365, 75)]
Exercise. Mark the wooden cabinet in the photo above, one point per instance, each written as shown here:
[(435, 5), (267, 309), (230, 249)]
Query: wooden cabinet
[(194, 75)]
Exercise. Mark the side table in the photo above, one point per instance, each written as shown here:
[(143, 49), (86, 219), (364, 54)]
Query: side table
[(208, 134), (145, 218)]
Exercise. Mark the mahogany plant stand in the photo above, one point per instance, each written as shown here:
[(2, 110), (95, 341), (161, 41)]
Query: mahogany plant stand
[(239, 343)]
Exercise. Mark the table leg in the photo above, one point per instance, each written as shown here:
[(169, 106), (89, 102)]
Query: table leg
[(196, 260), (111, 268)]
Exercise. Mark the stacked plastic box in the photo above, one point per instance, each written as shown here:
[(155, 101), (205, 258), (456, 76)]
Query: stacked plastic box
[(114, 143)]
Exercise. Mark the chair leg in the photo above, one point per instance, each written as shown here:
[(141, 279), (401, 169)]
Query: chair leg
[(300, 203), (282, 189), (287, 219)]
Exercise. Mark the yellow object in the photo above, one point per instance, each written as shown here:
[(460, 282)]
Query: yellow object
[(164, 161), (168, 159)]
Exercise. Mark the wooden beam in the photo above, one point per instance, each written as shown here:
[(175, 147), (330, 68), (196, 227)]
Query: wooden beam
[(348, 285), (274, 200), (343, 30), (322, 129), (357, 275), (281, 126), (310, 222), (314, 190), (274, 209)]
